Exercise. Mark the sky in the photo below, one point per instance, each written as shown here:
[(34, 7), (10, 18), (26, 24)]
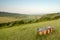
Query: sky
[(30, 6)]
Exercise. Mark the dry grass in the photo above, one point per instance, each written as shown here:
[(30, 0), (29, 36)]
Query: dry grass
[(7, 19)]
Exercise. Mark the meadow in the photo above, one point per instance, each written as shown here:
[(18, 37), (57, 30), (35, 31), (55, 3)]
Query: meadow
[(29, 31), (8, 19)]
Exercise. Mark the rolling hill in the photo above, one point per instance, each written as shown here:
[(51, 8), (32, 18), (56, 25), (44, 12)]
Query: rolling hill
[(15, 18), (30, 23), (8, 14), (9, 17), (29, 31)]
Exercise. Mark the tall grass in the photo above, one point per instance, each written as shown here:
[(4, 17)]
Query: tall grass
[(29, 31)]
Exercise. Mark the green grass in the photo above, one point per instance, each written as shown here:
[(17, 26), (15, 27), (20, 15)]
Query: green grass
[(29, 31)]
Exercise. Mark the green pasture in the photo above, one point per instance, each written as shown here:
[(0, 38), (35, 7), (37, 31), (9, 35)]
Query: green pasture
[(29, 31)]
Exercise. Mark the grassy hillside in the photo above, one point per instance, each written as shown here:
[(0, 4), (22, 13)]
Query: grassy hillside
[(6, 17), (8, 14), (29, 31), (11, 19)]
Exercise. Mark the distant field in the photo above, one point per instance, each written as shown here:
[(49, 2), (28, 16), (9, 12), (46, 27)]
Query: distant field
[(29, 31), (7, 19)]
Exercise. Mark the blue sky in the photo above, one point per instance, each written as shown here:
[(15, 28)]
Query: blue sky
[(30, 6)]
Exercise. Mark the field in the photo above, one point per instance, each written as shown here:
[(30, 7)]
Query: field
[(8, 19), (29, 31)]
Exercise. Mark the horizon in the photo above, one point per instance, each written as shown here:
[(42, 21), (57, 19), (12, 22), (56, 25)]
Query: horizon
[(30, 14), (30, 6)]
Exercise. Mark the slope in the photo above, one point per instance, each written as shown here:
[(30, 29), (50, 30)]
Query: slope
[(29, 31)]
